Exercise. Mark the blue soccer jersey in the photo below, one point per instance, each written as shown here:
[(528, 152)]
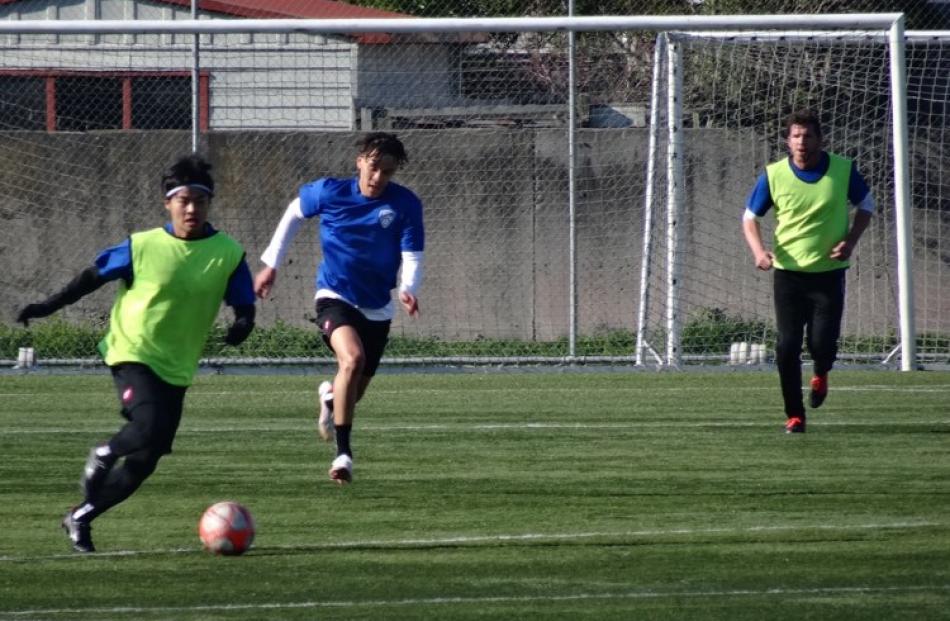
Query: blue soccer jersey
[(362, 238)]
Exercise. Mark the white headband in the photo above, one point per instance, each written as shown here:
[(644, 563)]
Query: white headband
[(197, 186)]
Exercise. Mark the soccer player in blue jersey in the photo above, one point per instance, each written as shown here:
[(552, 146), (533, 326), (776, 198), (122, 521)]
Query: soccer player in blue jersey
[(809, 191), (172, 281), (370, 226)]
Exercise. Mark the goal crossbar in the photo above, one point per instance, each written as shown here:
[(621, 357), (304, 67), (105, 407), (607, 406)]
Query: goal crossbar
[(854, 21), (798, 36)]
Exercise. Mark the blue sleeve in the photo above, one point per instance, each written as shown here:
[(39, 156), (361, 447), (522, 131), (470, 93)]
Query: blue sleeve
[(857, 187), (116, 262), (760, 200), (310, 198), (240, 289), (413, 233)]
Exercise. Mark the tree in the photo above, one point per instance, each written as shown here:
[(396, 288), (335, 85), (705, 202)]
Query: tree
[(920, 14)]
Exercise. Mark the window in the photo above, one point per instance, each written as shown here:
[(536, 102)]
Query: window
[(161, 103), (90, 101), (22, 103), (86, 103)]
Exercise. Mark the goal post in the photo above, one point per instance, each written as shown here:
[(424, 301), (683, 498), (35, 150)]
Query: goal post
[(531, 178), (813, 60), (905, 280)]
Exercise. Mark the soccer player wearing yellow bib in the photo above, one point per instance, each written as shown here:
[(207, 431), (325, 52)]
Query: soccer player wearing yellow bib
[(172, 282), (810, 192)]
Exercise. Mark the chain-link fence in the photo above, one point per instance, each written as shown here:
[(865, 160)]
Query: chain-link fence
[(90, 120)]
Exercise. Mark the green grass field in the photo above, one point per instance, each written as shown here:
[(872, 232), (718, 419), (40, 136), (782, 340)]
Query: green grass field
[(497, 495)]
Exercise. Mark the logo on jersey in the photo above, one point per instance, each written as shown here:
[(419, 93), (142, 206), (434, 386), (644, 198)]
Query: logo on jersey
[(386, 217), (127, 395)]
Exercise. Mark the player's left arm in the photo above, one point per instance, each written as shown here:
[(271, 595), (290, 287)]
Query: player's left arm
[(240, 296), (410, 279), (412, 244), (859, 194)]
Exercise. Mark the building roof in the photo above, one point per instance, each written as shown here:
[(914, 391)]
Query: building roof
[(323, 9), (309, 9), (303, 9), (314, 9), (290, 9), (275, 9)]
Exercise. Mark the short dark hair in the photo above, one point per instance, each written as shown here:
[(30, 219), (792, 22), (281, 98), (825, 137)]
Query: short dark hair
[(805, 118), (384, 144), (188, 170)]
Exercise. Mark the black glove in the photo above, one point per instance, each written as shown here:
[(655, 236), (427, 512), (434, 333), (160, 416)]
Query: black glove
[(34, 311), (238, 331), (83, 284)]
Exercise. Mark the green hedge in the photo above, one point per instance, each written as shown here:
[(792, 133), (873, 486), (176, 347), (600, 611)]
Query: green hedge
[(713, 331), (709, 331), (58, 339)]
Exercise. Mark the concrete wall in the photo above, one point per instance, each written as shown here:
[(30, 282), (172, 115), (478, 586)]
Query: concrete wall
[(496, 216)]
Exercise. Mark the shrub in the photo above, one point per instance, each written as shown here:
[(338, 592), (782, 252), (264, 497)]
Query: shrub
[(713, 330)]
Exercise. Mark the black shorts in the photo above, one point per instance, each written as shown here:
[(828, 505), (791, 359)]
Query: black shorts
[(331, 314), (151, 405)]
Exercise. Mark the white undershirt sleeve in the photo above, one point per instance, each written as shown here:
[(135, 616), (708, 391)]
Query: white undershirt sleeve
[(284, 234), (411, 275), (749, 215)]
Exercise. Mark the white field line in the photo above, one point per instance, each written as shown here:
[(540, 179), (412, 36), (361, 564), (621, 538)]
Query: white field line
[(491, 427), (491, 599), (476, 540), (197, 392), (489, 539), (494, 599)]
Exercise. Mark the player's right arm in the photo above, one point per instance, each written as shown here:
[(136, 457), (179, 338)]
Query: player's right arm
[(274, 254), (753, 237), (111, 264), (758, 204)]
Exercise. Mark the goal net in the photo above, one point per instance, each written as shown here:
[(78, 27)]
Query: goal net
[(722, 99), (529, 147)]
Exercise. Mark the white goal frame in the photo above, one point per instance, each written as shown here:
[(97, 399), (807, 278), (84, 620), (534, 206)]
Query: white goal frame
[(667, 55)]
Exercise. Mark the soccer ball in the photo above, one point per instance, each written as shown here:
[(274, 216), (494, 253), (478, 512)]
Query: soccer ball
[(226, 528)]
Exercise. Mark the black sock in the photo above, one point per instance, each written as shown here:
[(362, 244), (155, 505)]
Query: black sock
[(343, 440)]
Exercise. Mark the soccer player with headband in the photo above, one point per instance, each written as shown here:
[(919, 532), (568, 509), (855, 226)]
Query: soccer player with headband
[(172, 280)]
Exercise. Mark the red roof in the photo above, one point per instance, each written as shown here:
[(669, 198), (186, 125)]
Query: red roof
[(305, 9), (310, 9), (289, 9), (315, 9)]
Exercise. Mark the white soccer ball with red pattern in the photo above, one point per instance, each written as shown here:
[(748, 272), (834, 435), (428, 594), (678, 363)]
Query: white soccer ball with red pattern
[(226, 528)]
